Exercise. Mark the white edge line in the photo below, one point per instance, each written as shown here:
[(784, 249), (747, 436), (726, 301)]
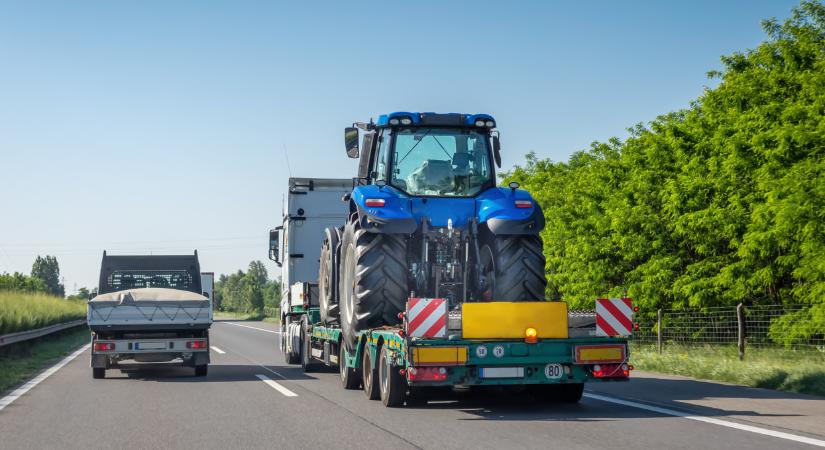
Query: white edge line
[(275, 385), (254, 328), (723, 423), (17, 393), (217, 350)]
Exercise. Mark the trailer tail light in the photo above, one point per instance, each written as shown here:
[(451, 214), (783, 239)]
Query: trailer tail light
[(427, 373), (104, 346), (524, 204), (375, 202), (196, 345), (611, 371)]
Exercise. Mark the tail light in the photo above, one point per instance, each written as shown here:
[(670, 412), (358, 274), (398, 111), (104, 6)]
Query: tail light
[(196, 345), (427, 373), (374, 202), (524, 204), (104, 346), (611, 371)]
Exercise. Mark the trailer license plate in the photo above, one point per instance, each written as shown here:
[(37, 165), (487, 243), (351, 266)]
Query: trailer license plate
[(501, 372), (150, 345)]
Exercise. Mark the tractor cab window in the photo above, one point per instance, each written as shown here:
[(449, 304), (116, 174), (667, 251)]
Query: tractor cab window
[(380, 164), (441, 161)]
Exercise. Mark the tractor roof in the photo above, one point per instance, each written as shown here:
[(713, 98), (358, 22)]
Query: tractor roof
[(435, 119)]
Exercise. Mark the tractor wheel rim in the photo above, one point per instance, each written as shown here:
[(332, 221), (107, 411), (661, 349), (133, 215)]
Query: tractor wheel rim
[(349, 283), (342, 362), (383, 371)]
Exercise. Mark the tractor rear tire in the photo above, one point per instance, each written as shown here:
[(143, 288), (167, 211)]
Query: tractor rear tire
[(373, 281), (514, 267), (328, 277)]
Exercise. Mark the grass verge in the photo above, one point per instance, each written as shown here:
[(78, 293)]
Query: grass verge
[(19, 362), (21, 311), (784, 370), (232, 315)]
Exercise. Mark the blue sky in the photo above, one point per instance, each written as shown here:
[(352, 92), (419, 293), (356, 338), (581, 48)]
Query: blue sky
[(161, 126)]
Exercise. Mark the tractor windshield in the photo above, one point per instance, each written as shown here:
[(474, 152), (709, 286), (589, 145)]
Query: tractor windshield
[(441, 161)]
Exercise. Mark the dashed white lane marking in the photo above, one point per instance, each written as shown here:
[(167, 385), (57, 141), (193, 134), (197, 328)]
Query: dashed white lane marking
[(723, 423), (254, 328), (17, 393), (275, 385), (217, 350)]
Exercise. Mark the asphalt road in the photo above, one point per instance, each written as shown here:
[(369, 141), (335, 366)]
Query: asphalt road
[(251, 399)]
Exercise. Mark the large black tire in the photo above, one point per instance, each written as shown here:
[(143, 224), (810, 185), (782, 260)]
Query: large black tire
[(289, 357), (201, 370), (308, 363), (328, 277), (391, 384), (98, 372), (373, 280), (514, 267)]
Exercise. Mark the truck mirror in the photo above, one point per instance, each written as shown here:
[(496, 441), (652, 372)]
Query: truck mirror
[(273, 245), (351, 141), (497, 151)]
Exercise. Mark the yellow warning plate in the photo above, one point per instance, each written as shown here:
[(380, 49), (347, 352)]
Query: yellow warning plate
[(600, 353), (510, 320), (439, 356)]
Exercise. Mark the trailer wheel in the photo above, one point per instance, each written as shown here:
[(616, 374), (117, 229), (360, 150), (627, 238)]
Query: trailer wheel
[(571, 393), (391, 384), (372, 280), (369, 374), (328, 277), (202, 370), (350, 378), (98, 372), (514, 268)]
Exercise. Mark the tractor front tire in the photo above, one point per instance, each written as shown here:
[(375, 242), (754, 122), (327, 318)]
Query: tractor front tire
[(514, 268), (373, 280), (327, 278)]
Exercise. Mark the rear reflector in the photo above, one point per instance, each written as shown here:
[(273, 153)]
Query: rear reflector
[(374, 202), (524, 204), (104, 346), (591, 354), (196, 345), (427, 374)]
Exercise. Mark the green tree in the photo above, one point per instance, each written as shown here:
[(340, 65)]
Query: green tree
[(47, 269)]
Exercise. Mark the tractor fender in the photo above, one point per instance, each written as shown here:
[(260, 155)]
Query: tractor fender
[(395, 217), (497, 212)]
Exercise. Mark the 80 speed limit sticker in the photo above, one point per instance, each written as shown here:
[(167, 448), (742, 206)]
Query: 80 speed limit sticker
[(553, 371)]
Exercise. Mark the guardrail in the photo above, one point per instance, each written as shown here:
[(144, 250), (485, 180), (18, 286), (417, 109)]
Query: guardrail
[(21, 336)]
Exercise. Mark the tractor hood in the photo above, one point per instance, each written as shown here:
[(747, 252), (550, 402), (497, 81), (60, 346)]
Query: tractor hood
[(513, 209)]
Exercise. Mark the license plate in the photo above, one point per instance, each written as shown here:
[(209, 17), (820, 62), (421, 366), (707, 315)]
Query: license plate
[(150, 346), (501, 372)]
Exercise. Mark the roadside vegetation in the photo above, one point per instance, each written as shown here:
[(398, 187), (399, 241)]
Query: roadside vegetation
[(21, 311), (249, 294), (19, 362), (785, 370), (719, 203)]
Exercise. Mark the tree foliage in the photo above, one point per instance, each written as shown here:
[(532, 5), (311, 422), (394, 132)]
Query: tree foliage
[(716, 204), (47, 269), (247, 292)]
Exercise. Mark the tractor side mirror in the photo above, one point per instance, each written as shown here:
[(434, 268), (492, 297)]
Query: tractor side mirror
[(497, 150), (274, 253), (351, 141)]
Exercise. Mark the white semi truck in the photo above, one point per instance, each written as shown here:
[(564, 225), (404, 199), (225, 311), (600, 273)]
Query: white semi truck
[(151, 309)]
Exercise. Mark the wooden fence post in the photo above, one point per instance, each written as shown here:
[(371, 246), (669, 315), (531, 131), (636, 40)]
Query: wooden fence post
[(740, 322), (659, 330)]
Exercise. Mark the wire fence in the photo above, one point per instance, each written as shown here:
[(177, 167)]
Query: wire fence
[(745, 327)]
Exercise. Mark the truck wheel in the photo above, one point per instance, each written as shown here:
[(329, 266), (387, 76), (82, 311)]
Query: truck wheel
[(202, 370), (514, 268), (350, 378), (571, 393), (369, 374), (98, 372), (327, 277), (373, 280), (391, 384), (307, 364), (289, 357)]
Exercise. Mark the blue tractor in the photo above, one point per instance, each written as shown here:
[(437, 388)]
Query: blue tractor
[(426, 219)]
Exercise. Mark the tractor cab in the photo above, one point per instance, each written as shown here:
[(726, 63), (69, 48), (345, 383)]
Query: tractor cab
[(427, 154)]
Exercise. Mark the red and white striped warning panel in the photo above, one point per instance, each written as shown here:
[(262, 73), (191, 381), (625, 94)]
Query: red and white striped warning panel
[(427, 317), (614, 317)]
